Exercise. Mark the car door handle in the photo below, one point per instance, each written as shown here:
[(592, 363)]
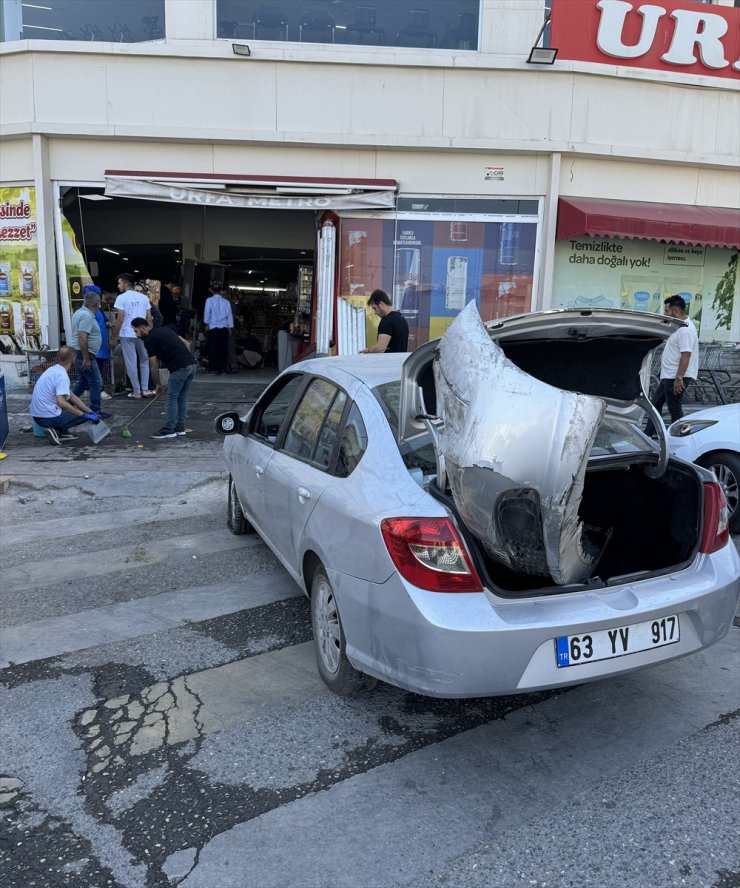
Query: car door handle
[(303, 494), (258, 470)]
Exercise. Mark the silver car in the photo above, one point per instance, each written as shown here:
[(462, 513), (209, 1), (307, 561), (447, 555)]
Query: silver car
[(483, 516)]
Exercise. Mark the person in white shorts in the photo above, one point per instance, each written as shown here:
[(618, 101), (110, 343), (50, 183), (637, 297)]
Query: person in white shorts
[(131, 304)]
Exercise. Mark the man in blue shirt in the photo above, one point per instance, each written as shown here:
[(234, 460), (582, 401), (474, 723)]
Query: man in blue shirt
[(219, 321)]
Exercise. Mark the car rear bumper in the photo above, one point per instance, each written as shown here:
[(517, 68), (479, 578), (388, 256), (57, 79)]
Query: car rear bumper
[(475, 644)]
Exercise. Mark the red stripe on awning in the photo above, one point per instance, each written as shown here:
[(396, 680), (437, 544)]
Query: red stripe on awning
[(257, 179), (680, 223)]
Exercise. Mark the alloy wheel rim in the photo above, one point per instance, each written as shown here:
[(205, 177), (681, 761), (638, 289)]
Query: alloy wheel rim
[(327, 627), (729, 484)]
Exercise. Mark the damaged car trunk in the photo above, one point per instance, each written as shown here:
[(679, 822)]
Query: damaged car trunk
[(536, 451)]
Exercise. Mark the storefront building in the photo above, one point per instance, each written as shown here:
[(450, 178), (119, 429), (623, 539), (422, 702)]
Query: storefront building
[(401, 145)]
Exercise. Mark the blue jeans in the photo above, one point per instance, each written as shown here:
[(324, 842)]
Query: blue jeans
[(88, 379), (63, 421), (176, 405)]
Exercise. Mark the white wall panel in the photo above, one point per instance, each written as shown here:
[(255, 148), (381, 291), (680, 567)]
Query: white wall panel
[(360, 101), (85, 160), (16, 90), (16, 160), (71, 89)]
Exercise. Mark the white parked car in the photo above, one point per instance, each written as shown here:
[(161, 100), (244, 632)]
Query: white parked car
[(711, 438), (481, 517)]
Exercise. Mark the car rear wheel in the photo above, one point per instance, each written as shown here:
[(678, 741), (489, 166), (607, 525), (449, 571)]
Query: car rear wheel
[(726, 469), (329, 642), (235, 520)]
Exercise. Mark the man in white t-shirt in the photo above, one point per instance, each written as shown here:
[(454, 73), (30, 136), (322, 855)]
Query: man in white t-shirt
[(53, 406), (131, 304), (679, 365)]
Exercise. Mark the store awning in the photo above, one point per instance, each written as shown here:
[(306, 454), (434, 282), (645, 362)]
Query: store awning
[(253, 192), (681, 223)]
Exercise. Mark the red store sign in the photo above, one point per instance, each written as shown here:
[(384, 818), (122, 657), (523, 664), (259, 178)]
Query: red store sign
[(667, 35)]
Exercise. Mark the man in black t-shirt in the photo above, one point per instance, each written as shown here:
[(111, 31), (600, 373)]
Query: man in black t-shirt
[(162, 344), (393, 331)]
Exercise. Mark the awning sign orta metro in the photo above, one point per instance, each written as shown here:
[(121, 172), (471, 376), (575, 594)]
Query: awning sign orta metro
[(208, 194)]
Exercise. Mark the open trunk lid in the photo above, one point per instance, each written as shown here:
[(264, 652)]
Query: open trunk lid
[(513, 407)]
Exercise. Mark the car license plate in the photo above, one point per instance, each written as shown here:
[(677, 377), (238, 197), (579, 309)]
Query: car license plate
[(574, 650)]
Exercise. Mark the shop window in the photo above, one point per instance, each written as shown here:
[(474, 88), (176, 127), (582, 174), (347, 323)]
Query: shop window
[(115, 21), (432, 264), (427, 24)]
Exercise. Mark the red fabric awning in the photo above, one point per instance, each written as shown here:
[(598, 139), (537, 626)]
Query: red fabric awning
[(681, 223)]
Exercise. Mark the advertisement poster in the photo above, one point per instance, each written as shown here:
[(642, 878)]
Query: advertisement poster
[(639, 274), (19, 285), (76, 276), (432, 268)]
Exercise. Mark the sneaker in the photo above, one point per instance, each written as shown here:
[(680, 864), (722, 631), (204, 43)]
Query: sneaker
[(133, 395), (105, 396), (66, 436), (53, 436), (180, 432), (163, 433)]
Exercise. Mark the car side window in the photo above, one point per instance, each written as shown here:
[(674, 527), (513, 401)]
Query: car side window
[(270, 415), (353, 443), (328, 436), (303, 431)]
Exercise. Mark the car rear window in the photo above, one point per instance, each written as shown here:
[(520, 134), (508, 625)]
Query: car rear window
[(418, 454)]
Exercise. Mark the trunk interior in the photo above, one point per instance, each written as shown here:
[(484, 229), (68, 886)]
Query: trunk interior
[(654, 525)]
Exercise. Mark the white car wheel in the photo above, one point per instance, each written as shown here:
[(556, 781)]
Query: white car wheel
[(726, 469)]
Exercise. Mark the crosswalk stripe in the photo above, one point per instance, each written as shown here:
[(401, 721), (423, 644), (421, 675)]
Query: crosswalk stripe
[(77, 567), (54, 636), (56, 528)]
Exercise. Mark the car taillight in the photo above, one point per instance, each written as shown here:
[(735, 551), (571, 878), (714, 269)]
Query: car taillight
[(716, 531), (429, 553)]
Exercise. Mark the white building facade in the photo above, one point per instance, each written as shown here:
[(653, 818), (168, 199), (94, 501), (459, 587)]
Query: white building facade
[(451, 171)]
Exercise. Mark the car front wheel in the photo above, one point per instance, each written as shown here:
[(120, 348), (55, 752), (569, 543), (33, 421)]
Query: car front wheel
[(235, 520), (329, 642), (726, 469)]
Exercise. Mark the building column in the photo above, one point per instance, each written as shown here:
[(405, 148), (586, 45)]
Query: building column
[(549, 224), (191, 20), (49, 302)]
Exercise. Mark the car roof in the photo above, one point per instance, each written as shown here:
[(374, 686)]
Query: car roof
[(372, 370)]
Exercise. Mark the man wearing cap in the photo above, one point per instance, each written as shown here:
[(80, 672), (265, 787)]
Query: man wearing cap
[(86, 339), (679, 364)]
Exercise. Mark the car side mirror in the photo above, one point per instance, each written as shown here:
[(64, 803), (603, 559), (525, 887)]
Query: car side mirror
[(228, 423)]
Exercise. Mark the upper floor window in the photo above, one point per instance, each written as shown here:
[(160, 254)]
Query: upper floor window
[(115, 21), (438, 24)]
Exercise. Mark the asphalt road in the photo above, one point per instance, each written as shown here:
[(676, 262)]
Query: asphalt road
[(163, 722)]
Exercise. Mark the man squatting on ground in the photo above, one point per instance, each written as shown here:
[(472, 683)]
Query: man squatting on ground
[(679, 364), (162, 344), (53, 406)]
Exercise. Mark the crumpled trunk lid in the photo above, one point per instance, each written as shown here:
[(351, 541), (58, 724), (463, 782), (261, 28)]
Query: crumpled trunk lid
[(514, 443)]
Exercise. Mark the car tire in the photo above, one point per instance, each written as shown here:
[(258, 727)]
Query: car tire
[(235, 520), (726, 469), (329, 641)]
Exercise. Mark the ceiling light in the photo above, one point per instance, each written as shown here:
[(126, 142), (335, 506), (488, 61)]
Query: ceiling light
[(241, 49), (41, 28), (95, 197), (34, 6), (107, 250), (125, 258)]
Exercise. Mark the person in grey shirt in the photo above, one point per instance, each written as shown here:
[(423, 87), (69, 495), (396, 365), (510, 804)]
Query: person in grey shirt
[(86, 340)]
